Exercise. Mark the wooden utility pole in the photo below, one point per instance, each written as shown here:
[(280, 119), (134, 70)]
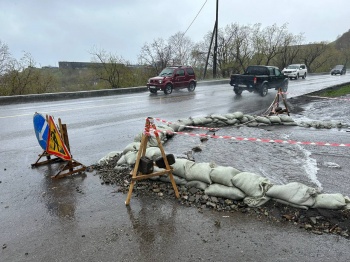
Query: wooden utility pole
[(216, 39)]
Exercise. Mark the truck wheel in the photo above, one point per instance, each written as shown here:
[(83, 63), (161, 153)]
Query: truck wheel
[(191, 87), (168, 89), (153, 91), (237, 90), (304, 76), (263, 90)]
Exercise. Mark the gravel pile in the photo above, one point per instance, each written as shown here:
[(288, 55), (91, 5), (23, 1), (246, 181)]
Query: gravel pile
[(317, 221)]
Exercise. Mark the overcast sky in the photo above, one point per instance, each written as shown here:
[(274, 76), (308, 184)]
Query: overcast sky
[(67, 30)]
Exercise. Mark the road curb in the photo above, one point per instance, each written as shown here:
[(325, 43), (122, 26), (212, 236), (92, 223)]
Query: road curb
[(4, 100)]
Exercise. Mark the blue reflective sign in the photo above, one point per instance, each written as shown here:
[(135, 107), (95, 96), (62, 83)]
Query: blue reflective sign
[(41, 129)]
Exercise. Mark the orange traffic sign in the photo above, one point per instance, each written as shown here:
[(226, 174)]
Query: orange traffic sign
[(55, 145)]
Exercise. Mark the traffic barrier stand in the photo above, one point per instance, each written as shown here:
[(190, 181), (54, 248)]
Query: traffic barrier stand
[(143, 168), (56, 146), (274, 108)]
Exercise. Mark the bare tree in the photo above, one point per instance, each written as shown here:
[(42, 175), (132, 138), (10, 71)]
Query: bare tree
[(5, 58), (158, 54), (181, 47), (315, 55), (109, 67)]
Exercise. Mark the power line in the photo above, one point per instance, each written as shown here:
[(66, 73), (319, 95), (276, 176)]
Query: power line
[(195, 18)]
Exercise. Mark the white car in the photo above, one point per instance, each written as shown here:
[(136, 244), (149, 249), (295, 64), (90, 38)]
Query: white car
[(295, 71)]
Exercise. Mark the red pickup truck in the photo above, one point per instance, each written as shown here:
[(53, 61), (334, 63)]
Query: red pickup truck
[(173, 77)]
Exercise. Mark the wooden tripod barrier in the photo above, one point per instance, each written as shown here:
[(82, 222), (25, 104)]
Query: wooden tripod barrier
[(277, 101), (136, 174)]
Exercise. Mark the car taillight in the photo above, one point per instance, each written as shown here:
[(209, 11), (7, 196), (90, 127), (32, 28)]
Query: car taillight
[(254, 80)]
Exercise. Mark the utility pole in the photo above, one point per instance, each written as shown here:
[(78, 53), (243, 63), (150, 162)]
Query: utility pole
[(216, 39)]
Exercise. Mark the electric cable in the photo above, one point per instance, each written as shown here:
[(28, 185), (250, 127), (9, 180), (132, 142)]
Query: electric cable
[(195, 18)]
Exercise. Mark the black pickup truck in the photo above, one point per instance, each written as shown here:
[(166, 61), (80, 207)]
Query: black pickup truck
[(259, 79)]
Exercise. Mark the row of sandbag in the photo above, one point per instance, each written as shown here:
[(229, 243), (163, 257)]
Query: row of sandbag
[(238, 118), (230, 183)]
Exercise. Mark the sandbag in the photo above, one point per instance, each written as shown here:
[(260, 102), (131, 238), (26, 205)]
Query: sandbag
[(274, 119), (329, 201), (262, 119), (255, 201), (179, 167), (251, 184), (198, 171), (153, 152), (134, 146), (197, 184), (121, 161), (294, 193), (178, 180), (130, 157), (224, 191), (223, 175), (106, 158), (285, 118), (218, 117)]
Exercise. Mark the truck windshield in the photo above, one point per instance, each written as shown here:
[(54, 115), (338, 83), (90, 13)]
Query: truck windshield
[(167, 72)]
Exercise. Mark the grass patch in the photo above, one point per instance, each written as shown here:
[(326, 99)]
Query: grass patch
[(344, 90)]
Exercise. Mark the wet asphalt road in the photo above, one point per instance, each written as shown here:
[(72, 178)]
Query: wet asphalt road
[(78, 219)]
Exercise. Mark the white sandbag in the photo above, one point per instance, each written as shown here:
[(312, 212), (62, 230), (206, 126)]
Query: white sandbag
[(253, 124), (198, 171), (289, 123), (178, 180), (329, 201), (250, 118), (179, 167), (230, 116), (197, 184), (232, 121), (244, 119), (274, 119), (294, 193), (285, 118), (104, 160), (166, 130), (223, 175), (134, 146), (262, 119), (347, 201), (224, 191), (219, 117), (238, 115), (185, 122), (291, 204), (255, 201), (130, 157), (251, 184), (138, 137), (199, 121), (153, 153), (121, 161)]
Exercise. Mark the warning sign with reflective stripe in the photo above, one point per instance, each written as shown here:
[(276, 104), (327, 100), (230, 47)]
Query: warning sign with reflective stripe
[(55, 145)]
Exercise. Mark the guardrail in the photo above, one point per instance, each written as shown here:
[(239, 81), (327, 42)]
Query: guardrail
[(84, 94)]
